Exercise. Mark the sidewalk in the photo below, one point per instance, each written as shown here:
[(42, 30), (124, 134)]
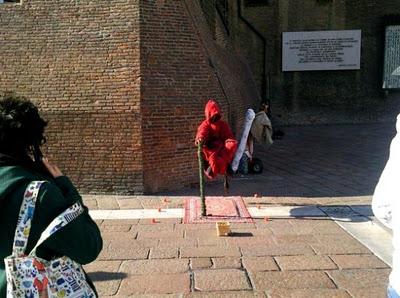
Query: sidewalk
[(292, 254)]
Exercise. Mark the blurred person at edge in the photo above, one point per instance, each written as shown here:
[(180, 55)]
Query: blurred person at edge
[(21, 130), (386, 207)]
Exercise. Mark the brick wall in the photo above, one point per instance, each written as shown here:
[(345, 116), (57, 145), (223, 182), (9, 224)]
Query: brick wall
[(182, 66), (123, 104), (124, 83), (209, 12), (230, 67), (79, 60)]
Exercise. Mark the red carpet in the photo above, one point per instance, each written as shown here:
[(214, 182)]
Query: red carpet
[(230, 209)]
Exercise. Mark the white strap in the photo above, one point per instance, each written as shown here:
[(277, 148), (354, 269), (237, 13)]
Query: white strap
[(25, 217), (59, 222)]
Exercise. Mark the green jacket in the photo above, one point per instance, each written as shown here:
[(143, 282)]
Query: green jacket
[(80, 240)]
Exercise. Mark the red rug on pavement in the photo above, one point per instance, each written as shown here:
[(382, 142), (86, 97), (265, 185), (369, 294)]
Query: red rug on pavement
[(230, 209)]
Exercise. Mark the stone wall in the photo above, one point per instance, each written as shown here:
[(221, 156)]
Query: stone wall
[(308, 97)]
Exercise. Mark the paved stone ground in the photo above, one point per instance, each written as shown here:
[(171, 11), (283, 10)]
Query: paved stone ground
[(286, 257), (317, 161)]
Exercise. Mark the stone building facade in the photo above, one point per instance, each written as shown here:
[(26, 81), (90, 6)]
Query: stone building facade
[(123, 83), (307, 97)]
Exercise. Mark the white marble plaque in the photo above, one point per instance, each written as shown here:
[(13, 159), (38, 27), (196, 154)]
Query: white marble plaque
[(321, 50), (391, 69)]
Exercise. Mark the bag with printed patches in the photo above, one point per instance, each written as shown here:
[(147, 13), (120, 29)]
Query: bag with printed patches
[(29, 276)]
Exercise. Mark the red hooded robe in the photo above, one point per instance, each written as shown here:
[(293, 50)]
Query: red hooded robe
[(219, 142)]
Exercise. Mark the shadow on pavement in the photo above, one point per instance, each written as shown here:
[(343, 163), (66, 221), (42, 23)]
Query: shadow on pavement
[(351, 213), (103, 275), (240, 234)]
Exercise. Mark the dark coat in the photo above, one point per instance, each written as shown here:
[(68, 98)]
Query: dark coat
[(80, 240)]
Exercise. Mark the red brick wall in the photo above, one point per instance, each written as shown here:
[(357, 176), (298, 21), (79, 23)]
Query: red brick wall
[(181, 67), (123, 105), (176, 81), (231, 68), (79, 60)]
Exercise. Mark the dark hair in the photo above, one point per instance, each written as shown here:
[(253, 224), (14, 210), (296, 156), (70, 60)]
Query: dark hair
[(21, 126), (263, 106)]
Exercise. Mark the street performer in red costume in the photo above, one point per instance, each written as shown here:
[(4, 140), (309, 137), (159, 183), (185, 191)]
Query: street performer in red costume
[(219, 144)]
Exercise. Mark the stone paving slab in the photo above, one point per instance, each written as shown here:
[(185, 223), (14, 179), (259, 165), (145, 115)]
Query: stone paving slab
[(221, 280), (148, 267), (155, 284), (360, 279), (330, 247), (165, 243), (200, 263), (227, 263), (278, 250), (227, 294), (164, 252), (287, 263), (124, 253), (210, 251), (291, 280), (251, 239), (252, 264), (159, 234), (295, 239), (106, 275), (147, 296), (358, 262), (310, 293), (373, 292)]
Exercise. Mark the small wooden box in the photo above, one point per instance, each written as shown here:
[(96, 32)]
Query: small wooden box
[(223, 228)]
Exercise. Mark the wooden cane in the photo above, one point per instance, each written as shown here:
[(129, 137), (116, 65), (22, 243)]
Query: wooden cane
[(201, 178)]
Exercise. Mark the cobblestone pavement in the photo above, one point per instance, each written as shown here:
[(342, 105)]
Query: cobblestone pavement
[(278, 257)]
